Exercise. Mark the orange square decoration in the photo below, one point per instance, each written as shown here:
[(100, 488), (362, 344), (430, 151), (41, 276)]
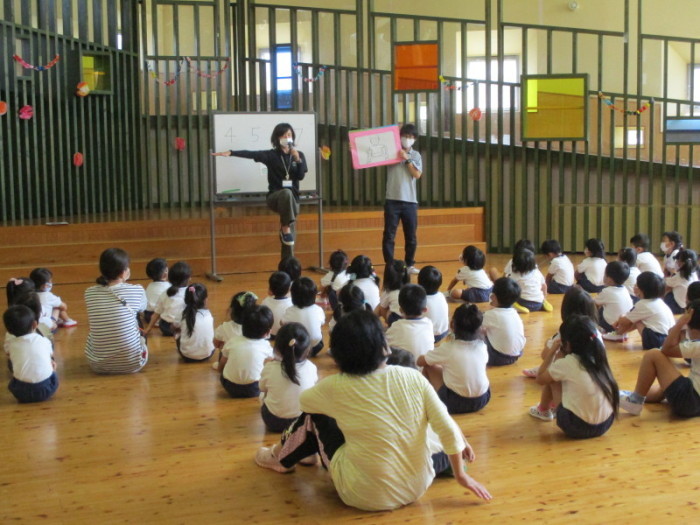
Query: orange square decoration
[(416, 66)]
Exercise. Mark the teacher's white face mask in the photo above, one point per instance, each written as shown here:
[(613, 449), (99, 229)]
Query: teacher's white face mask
[(407, 142)]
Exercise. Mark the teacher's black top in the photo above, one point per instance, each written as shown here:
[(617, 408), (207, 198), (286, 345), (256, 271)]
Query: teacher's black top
[(280, 166)]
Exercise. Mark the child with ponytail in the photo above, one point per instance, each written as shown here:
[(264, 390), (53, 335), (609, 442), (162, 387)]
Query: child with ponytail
[(196, 340), (577, 379), (171, 304), (285, 377)]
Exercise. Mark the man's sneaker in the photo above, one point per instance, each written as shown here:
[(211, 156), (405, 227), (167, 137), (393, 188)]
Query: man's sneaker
[(265, 458), (287, 238), (68, 323), (547, 415), (614, 336), (628, 406), (412, 270), (531, 372)]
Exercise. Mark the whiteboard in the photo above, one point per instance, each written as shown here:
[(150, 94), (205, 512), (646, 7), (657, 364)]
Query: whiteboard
[(235, 177)]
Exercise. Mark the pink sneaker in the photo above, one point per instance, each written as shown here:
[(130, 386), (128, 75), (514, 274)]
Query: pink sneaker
[(266, 458), (68, 323), (531, 372)]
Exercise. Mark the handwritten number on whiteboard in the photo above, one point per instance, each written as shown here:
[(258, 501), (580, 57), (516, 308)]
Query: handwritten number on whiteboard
[(254, 134), (229, 135)]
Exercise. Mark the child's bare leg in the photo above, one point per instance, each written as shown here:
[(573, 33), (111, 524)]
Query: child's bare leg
[(640, 327), (62, 312), (434, 375), (546, 398), (556, 394), (655, 365), (494, 273), (456, 293)]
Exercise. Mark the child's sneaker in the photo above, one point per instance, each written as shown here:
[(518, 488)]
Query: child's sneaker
[(266, 458), (520, 308), (531, 372), (68, 323), (630, 406), (547, 415), (547, 306), (614, 336)]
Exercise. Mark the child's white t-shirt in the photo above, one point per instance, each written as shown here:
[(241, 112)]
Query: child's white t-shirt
[(647, 262), (505, 331), (48, 301), (153, 293), (530, 285), (390, 299), (200, 344), (474, 278), (311, 317), (340, 280), (562, 270), (690, 349), (594, 269), (413, 335), (246, 358), (438, 312), (170, 308), (670, 263), (227, 331), (579, 393), (370, 289), (279, 394), (632, 280), (31, 357), (616, 301), (679, 285), (278, 307), (463, 366), (654, 313)]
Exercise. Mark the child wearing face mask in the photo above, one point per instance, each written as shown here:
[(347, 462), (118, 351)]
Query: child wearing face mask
[(401, 200)]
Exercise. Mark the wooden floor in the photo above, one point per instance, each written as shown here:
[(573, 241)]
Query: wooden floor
[(167, 445)]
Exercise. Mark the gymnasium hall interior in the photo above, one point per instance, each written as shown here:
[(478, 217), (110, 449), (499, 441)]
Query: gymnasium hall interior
[(537, 119)]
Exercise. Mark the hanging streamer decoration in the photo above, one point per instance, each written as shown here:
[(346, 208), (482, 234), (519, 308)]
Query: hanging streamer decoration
[(639, 111), (208, 75), (26, 65), (451, 85), (299, 71), (170, 82)]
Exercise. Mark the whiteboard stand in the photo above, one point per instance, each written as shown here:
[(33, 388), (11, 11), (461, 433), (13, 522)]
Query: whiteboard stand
[(319, 185), (213, 276)]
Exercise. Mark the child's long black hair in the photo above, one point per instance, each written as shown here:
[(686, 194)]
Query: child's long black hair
[(292, 344), (18, 286), (338, 262), (579, 336), (395, 275), (195, 300), (179, 275), (466, 322), (578, 301), (361, 268), (596, 247), (350, 298), (687, 262)]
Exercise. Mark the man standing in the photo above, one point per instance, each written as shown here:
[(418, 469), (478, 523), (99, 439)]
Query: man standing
[(401, 202)]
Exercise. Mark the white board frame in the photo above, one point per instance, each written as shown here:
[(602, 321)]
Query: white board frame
[(251, 131)]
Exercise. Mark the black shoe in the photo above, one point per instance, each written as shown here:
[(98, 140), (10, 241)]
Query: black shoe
[(287, 238)]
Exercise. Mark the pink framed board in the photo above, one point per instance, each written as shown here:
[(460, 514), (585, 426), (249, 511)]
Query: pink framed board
[(375, 147)]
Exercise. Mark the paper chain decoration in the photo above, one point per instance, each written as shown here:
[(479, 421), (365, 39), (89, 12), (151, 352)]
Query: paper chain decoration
[(639, 111), (26, 65), (298, 71), (199, 72), (208, 75), (450, 85)]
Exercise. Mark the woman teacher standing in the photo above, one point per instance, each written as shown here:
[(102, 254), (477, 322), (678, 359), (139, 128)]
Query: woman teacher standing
[(286, 166)]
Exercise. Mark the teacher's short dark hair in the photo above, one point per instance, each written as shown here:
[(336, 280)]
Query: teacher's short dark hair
[(358, 345), (409, 130), (281, 129)]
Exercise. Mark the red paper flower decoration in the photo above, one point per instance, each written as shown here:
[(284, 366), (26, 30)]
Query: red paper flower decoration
[(83, 89), (26, 112), (475, 114), (179, 143), (3, 107), (77, 159)]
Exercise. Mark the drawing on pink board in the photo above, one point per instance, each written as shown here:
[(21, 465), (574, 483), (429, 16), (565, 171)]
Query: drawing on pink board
[(375, 147)]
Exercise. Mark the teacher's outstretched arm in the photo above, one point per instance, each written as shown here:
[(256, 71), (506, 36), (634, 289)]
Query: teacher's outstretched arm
[(226, 153)]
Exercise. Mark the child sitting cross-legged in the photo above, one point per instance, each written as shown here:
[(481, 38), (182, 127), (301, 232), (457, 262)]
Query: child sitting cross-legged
[(278, 299), (415, 331), (651, 317), (475, 281), (503, 328), (305, 311), (457, 369), (30, 357), (243, 357), (438, 312), (614, 300)]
